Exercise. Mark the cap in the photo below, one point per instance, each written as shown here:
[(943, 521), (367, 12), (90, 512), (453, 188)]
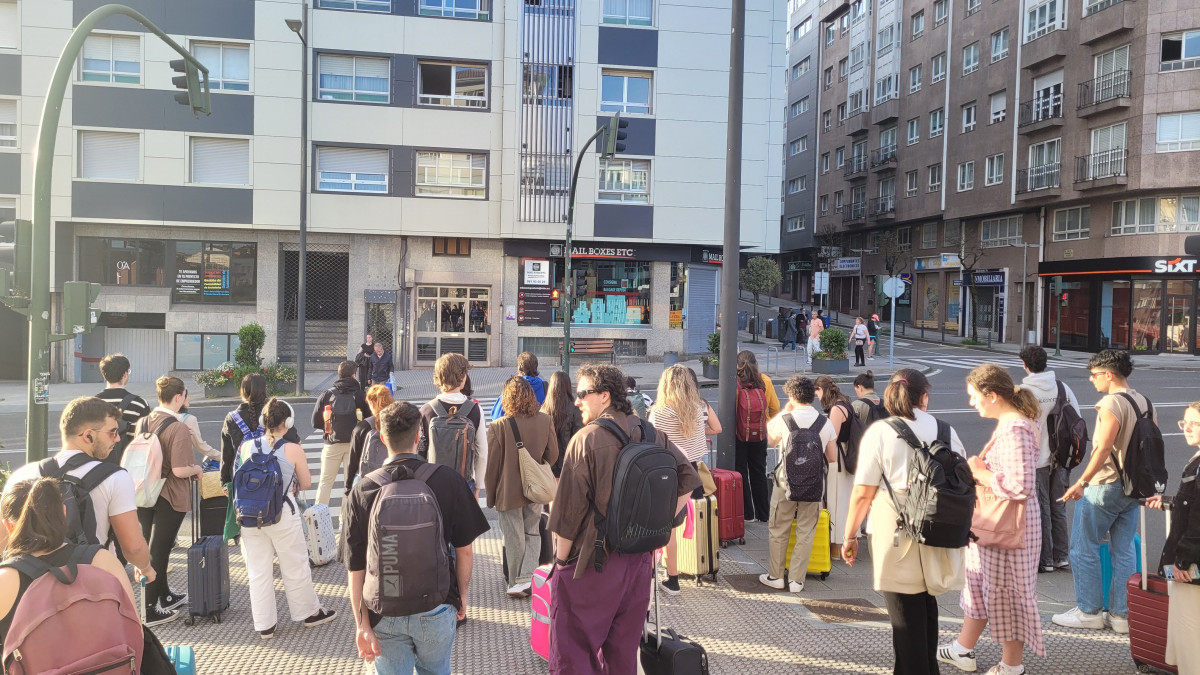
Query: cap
[(875, 317)]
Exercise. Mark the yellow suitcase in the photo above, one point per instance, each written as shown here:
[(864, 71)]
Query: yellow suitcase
[(701, 554), (819, 562)]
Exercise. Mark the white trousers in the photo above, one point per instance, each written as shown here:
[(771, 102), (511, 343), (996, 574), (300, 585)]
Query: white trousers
[(260, 546), (838, 486)]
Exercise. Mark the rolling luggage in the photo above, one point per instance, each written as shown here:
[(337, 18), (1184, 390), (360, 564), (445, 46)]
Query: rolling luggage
[(318, 533), (664, 652), (819, 562), (731, 509), (1148, 611), (157, 659), (208, 571), (212, 516), (545, 556), (700, 554), (539, 611), (183, 659)]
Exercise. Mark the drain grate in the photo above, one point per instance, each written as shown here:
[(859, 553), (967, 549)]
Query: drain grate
[(846, 610)]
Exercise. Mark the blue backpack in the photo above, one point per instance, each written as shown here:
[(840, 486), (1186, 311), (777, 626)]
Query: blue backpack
[(259, 491), (247, 433)]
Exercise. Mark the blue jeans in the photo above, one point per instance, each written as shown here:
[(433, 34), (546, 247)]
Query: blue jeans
[(1104, 510), (420, 641)]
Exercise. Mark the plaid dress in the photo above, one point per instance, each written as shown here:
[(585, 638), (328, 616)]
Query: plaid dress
[(1002, 585)]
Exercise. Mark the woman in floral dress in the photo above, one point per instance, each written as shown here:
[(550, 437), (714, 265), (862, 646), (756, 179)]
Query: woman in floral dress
[(1002, 583)]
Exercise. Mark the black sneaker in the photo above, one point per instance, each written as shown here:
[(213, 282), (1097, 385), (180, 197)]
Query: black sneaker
[(671, 585), (172, 600), (156, 616), (322, 616), (267, 634)]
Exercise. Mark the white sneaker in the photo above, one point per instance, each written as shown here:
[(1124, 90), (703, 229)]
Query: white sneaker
[(519, 590), (964, 662), (1077, 618), (795, 587), (1119, 624), (768, 580)]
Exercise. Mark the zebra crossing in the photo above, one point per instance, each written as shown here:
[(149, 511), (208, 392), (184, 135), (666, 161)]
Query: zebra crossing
[(973, 362)]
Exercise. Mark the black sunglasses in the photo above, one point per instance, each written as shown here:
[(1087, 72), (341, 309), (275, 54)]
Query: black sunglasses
[(583, 394)]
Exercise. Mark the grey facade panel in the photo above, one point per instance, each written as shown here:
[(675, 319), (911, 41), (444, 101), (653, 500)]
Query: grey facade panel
[(156, 109), (639, 135), (10, 173), (624, 221), (628, 47), (210, 18), (10, 74), (137, 201), (404, 80), (404, 164), (404, 7)]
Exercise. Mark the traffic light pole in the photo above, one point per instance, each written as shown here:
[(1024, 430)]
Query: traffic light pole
[(38, 364), (568, 273)]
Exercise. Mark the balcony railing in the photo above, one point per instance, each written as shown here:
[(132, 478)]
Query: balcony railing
[(1040, 108), (854, 211), (1103, 164), (883, 156), (1104, 88), (855, 165), (1093, 6), (1041, 177), (883, 206)]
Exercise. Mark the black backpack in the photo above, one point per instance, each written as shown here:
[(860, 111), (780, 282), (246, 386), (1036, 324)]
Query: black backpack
[(1144, 456), (849, 439), (344, 417), (875, 412), (124, 428), (1067, 431), (804, 462), (76, 494), (941, 491), (645, 489)]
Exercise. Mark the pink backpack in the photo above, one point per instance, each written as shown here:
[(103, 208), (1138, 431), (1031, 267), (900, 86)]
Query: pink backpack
[(78, 600)]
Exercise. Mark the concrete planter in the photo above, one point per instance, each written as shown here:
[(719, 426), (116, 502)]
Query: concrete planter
[(831, 366), (227, 390), (712, 371)]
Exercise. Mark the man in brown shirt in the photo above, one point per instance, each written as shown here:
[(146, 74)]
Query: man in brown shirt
[(160, 523), (596, 617)]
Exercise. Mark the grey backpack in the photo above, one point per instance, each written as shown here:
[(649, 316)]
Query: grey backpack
[(452, 437), (408, 569), (375, 454)]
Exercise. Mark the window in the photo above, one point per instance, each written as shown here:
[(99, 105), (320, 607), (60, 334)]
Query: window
[(858, 55), (8, 123), (1043, 165), (1108, 153), (935, 178), (353, 78), (1179, 214), (929, 235), (195, 271), (886, 89), (918, 24), (795, 33), (1134, 216), (887, 142), (911, 183), (228, 65), (10, 27), (111, 58), (126, 262), (904, 239), (997, 232), (840, 154), (845, 24), (109, 155), (843, 68), (625, 91), (463, 9), (1043, 18), (455, 246), (824, 204), (220, 161), (465, 85), (970, 58), (998, 103), (825, 163), (968, 117), (804, 27), (800, 107), (940, 13), (841, 113), (994, 169), (793, 186), (951, 229), (826, 122), (797, 223), (886, 41), (858, 11), (352, 169), (837, 202), (914, 79), (797, 146), (451, 174), (1000, 44), (857, 102), (1176, 132), (359, 5), (939, 67), (966, 176), (801, 68), (937, 122), (830, 34), (624, 180), (914, 130), (1112, 77), (1180, 50), (1072, 223), (803, 183), (794, 109), (973, 6), (1047, 96)]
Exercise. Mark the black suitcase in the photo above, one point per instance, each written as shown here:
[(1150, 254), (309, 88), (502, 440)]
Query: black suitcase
[(208, 569), (545, 556), (664, 652), (212, 516)]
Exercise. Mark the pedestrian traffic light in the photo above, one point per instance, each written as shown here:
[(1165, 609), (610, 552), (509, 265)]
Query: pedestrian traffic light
[(1062, 298), (615, 136), (78, 315), (15, 241), (194, 94)]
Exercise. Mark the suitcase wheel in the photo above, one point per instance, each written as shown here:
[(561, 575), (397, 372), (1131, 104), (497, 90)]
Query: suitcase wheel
[(724, 543), (217, 617), (714, 577), (824, 576), (190, 620), (1143, 667), (742, 540)]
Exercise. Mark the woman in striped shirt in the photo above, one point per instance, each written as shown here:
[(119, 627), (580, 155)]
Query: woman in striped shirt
[(686, 419)]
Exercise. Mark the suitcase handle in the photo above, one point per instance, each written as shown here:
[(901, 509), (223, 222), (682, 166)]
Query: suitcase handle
[(195, 511), (657, 620)]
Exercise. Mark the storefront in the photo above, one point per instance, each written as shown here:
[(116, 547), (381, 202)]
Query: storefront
[(1143, 304), (845, 284), (935, 298), (797, 280)]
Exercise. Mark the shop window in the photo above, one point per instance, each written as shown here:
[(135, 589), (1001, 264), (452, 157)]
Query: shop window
[(1147, 312), (204, 351), (452, 319), (1075, 318), (123, 262), (459, 246), (678, 294), (195, 271), (1114, 315), (606, 292)]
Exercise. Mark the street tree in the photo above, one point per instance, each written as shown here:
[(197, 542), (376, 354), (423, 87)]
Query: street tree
[(760, 275)]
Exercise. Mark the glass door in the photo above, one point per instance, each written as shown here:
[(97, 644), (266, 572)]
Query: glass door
[(452, 319), (1179, 316)]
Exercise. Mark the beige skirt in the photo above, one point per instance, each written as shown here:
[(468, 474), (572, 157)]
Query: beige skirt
[(1183, 625), (900, 564)]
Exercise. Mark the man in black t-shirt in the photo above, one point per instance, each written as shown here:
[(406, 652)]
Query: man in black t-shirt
[(115, 370), (429, 636)]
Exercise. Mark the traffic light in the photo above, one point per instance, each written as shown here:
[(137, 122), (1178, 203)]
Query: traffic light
[(615, 136), (16, 238), (194, 94), (1062, 299), (78, 315), (580, 282)]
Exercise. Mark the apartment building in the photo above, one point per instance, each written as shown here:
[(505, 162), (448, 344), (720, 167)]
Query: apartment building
[(440, 140), (800, 154), (978, 142)]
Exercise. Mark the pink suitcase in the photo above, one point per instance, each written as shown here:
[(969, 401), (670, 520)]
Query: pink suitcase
[(539, 612)]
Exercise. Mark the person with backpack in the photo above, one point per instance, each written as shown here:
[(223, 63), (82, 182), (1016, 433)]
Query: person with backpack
[(411, 625), (757, 403), (242, 423), (345, 402), (1118, 473), (522, 429), (840, 480), (603, 556), (911, 574), (367, 451), (687, 420), (868, 406), (636, 398), (280, 468), (115, 370), (560, 406), (1054, 398), (452, 428), (1001, 592), (859, 338), (32, 586), (807, 444), (527, 367)]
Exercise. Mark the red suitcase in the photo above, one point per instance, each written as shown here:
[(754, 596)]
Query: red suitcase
[(1148, 613), (731, 523)]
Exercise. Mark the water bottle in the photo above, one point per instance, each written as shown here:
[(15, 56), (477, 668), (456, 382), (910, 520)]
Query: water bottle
[(328, 419)]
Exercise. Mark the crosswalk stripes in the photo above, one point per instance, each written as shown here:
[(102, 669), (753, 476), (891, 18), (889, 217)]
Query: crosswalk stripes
[(971, 363)]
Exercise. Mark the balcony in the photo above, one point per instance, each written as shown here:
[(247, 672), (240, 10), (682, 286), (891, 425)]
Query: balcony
[(1102, 169), (1051, 46), (833, 9), (856, 212), (1107, 92), (1104, 18), (886, 112), (857, 123), (1039, 181), (883, 208), (856, 167), (884, 158), (1040, 113)]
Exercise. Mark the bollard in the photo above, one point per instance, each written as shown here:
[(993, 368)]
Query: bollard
[(776, 350), (922, 330), (943, 331)]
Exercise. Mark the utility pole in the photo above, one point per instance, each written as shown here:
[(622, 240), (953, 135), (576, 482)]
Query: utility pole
[(727, 393), (1058, 283), (300, 28), (1025, 289)]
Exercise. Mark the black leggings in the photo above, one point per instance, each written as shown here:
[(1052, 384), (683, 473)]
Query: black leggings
[(160, 526), (750, 459), (914, 618)]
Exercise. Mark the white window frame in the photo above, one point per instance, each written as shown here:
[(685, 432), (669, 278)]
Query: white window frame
[(969, 118), (973, 6), (217, 78), (10, 123), (904, 239), (793, 186), (804, 66), (1000, 42), (970, 58), (998, 114), (794, 110), (825, 163), (453, 99), (805, 26), (937, 68), (858, 57), (1108, 151), (229, 143), (1045, 17), (449, 169), (356, 181), (1187, 59), (840, 156), (914, 79), (994, 169), (917, 24), (131, 45), (1174, 210), (912, 183), (843, 68), (826, 120), (951, 232), (794, 148), (935, 178), (886, 39), (1134, 216), (1048, 172), (914, 131), (383, 6), (451, 9), (355, 95), (839, 202), (966, 176), (830, 34), (929, 235), (1183, 129), (937, 122), (1072, 223), (824, 201), (132, 160), (10, 26), (941, 12), (797, 223), (997, 232), (886, 88), (626, 106)]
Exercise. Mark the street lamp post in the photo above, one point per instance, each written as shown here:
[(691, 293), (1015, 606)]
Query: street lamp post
[(1024, 291), (300, 28)]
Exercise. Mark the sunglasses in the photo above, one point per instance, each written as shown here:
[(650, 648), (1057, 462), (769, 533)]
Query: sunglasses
[(1096, 373), (584, 394)]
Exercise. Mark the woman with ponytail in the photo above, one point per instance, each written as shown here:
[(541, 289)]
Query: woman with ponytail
[(1001, 586), (839, 482)]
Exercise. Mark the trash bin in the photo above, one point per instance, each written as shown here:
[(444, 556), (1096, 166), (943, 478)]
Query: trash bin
[(743, 321), (753, 325), (670, 359), (769, 333)]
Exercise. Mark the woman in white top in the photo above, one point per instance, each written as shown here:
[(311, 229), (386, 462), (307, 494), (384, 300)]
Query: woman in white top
[(685, 418), (198, 443), (859, 338), (284, 539), (915, 573), (839, 481)]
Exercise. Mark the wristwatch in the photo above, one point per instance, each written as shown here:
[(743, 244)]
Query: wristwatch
[(1083, 483)]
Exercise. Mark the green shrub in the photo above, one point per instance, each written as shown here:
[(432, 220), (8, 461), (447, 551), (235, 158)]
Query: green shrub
[(251, 339), (833, 344), (714, 343)]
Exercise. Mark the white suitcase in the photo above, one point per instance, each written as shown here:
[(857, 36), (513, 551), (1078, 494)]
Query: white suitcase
[(318, 531)]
